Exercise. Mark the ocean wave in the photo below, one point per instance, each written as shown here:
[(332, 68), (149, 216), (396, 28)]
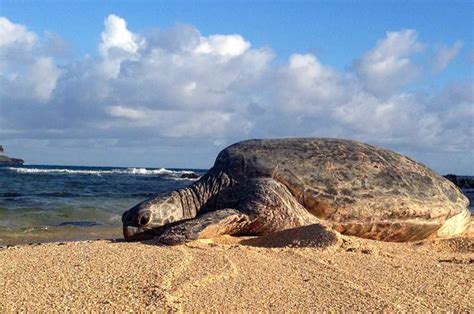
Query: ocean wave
[(115, 218), (175, 174)]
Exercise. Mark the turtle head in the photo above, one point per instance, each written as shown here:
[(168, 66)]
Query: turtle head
[(147, 219)]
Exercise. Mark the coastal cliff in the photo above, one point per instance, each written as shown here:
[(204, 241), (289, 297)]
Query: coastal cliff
[(7, 161)]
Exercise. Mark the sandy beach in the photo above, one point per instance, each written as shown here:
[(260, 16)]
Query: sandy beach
[(304, 269)]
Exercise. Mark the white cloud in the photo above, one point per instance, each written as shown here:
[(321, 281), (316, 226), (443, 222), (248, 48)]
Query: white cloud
[(15, 35), (306, 86), (177, 124), (177, 77), (26, 74), (223, 45), (127, 113), (42, 76), (444, 55), (116, 38), (16, 44), (387, 67), (118, 44), (177, 86)]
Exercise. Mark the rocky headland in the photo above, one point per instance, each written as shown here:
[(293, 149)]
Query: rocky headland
[(8, 161)]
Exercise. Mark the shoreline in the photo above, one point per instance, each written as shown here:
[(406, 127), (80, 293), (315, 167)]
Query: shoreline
[(302, 269), (58, 234)]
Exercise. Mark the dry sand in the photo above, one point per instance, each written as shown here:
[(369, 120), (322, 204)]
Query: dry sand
[(305, 269)]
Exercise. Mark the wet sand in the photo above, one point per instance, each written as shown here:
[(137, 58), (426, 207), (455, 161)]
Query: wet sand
[(57, 234), (305, 269)]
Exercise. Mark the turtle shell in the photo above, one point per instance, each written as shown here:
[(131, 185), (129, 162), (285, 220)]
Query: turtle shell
[(360, 189)]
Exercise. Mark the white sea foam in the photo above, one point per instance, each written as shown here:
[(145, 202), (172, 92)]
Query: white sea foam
[(128, 171), (115, 218)]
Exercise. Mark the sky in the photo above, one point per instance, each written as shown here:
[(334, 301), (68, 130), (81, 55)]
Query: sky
[(170, 84)]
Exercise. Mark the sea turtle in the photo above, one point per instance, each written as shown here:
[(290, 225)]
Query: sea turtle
[(261, 186)]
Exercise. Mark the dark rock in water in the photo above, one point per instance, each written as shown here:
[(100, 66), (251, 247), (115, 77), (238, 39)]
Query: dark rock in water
[(79, 224), (463, 182), (191, 175)]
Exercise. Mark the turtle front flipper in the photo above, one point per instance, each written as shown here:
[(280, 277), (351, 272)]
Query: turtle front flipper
[(212, 224)]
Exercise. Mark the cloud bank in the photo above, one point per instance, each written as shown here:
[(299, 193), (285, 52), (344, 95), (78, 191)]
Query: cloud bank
[(174, 87)]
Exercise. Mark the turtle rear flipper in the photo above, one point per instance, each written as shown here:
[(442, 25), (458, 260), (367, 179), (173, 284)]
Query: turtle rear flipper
[(212, 224)]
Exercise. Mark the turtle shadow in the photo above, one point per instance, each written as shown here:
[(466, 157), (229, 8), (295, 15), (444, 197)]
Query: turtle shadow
[(315, 236), (152, 241), (311, 236)]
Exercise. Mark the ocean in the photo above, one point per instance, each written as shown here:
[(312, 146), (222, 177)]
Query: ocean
[(64, 203)]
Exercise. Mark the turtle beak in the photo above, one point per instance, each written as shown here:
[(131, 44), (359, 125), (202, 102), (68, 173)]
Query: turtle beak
[(129, 231), (132, 233)]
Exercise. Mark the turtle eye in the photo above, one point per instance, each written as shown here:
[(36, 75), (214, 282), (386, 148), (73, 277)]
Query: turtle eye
[(144, 219)]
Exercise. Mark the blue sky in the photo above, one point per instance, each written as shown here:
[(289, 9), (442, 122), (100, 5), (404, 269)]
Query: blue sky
[(318, 68), (334, 30)]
